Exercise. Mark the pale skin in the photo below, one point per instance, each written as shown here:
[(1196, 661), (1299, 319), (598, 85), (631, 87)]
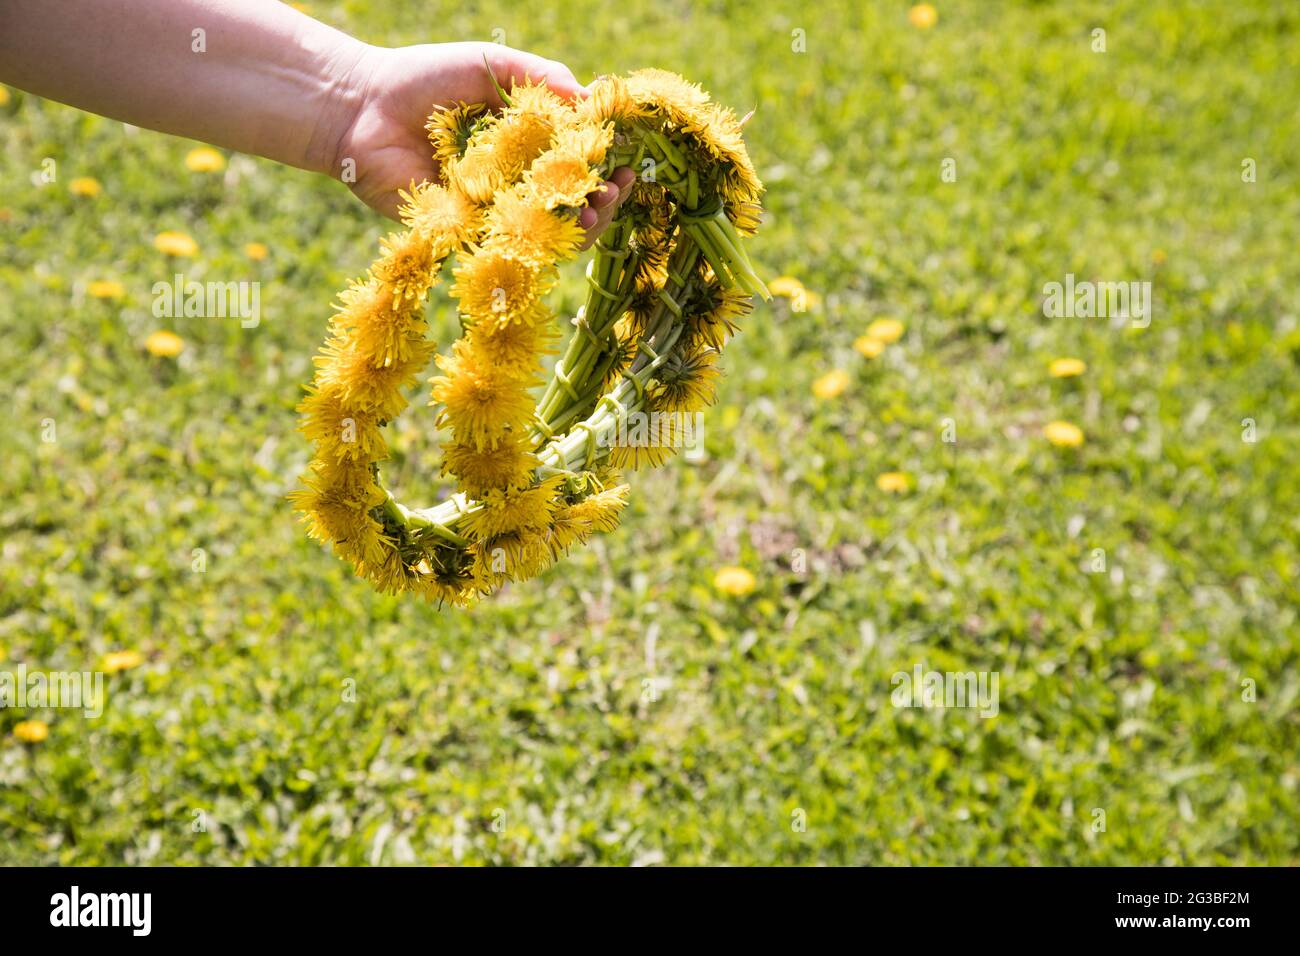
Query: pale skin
[(272, 82)]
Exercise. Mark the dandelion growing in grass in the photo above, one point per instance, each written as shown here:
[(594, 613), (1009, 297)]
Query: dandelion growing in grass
[(1063, 434), (122, 661), (31, 731), (734, 582), (164, 344), (105, 289), (1066, 368), (923, 16), (893, 482), (205, 160), (173, 243), (887, 331), (868, 346), (831, 385), (86, 186)]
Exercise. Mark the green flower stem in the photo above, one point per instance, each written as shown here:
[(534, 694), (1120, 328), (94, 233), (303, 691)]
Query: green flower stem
[(729, 243), (435, 520), (573, 452), (668, 150), (580, 352)]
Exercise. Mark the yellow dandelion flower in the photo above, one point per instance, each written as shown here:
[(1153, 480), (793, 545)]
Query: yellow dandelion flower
[(533, 232), (480, 173), (494, 285), (602, 509), (869, 347), (688, 384), (510, 510), (575, 523), (567, 530), (407, 264), (923, 16), (385, 330), (450, 128), (716, 316), (746, 214), (518, 138), (173, 243), (336, 503), (31, 731), (517, 555), (587, 143), (256, 251), (364, 382), (801, 297), (733, 581), (340, 431), (644, 448), (447, 574), (481, 470), (121, 661), (785, 286), (205, 159), (893, 482), (446, 216), (4, 95), (886, 330), (105, 289), (625, 352), (611, 102), (164, 344), (516, 348), (537, 99), (561, 179), (87, 186), (831, 385), (1066, 368), (481, 404), (675, 97), (1063, 434)]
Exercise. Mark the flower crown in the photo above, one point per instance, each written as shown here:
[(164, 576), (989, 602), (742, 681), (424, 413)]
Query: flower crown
[(667, 285)]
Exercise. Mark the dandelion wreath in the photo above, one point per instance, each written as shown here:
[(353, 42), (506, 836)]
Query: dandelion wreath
[(668, 282)]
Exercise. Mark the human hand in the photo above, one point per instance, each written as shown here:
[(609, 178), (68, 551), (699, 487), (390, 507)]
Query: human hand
[(391, 93)]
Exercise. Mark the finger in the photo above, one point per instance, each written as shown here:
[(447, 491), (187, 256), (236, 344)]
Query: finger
[(604, 194), (603, 203), (595, 226), (511, 67), (624, 178)]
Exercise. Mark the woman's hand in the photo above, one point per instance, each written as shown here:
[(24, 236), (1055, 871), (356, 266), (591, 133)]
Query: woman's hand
[(383, 141), (265, 79)]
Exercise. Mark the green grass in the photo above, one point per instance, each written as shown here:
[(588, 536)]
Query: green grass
[(1120, 691)]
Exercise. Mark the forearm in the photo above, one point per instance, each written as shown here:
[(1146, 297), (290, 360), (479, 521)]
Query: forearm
[(260, 78)]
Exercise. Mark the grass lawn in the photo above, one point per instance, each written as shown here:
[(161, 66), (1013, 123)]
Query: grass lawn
[(1135, 595)]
